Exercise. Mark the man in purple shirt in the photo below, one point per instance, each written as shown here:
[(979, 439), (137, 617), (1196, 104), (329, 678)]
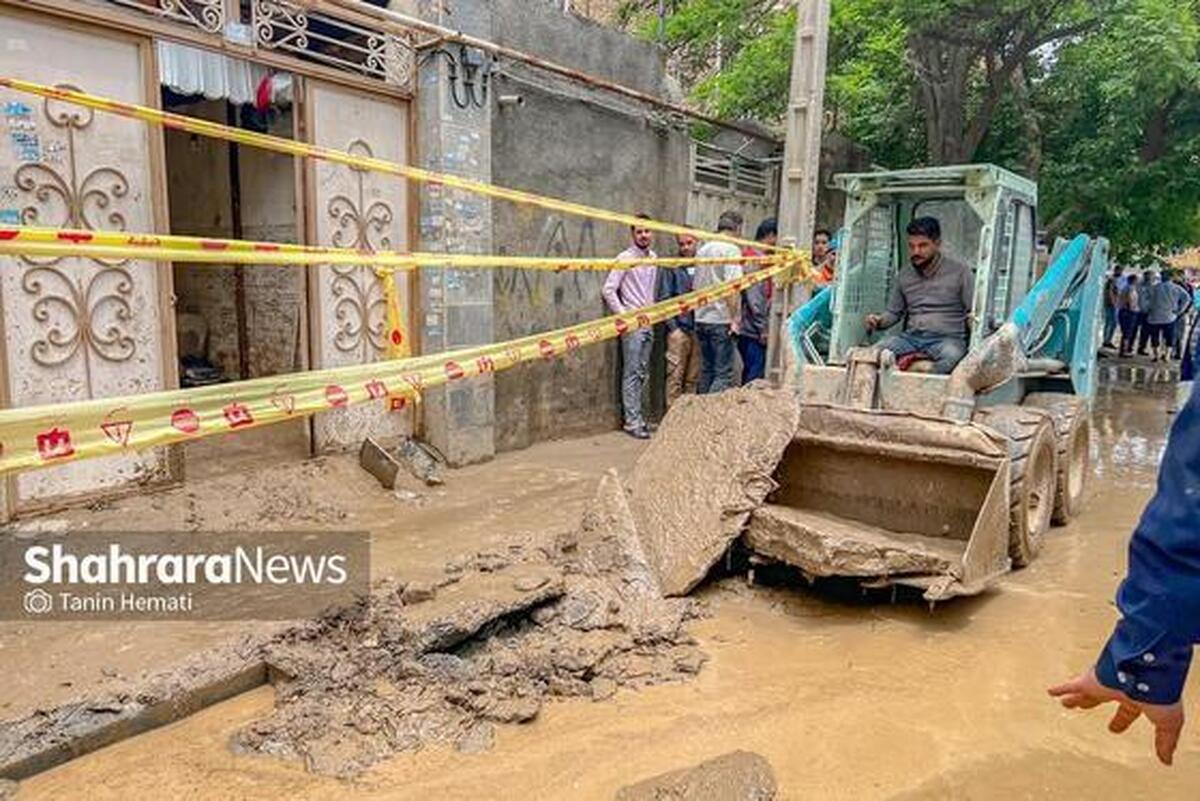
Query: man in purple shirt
[(625, 291)]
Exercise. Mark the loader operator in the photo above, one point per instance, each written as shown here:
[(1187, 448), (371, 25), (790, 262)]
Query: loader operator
[(933, 296)]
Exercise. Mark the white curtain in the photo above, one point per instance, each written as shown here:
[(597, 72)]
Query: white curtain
[(190, 71)]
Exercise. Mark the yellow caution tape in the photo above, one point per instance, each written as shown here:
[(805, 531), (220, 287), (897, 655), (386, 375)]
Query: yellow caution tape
[(279, 145), (117, 246), (44, 436)]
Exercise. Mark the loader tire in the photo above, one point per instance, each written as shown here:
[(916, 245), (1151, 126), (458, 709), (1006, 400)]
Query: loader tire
[(1073, 430), (1033, 455)]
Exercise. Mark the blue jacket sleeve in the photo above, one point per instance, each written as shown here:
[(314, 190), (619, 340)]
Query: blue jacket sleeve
[(667, 289), (1150, 651)]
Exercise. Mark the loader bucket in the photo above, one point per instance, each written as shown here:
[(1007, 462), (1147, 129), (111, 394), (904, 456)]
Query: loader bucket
[(890, 498)]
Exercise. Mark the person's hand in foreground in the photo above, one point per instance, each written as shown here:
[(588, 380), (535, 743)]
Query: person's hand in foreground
[(1086, 692), (1144, 666)]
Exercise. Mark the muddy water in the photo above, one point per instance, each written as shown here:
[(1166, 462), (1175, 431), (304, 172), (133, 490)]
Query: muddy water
[(848, 698)]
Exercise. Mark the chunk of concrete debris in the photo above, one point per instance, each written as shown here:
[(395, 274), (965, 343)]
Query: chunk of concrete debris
[(376, 460), (737, 776), (49, 737), (410, 456), (611, 547), (603, 688), (460, 610), (708, 467), (420, 461), (416, 592), (477, 739), (827, 545)]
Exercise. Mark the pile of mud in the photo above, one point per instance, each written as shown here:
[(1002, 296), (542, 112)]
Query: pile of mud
[(490, 644), (736, 776), (496, 637)]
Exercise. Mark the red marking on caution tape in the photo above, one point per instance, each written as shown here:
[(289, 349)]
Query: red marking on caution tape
[(376, 389), (143, 241), (643, 321), (684, 307), (210, 244), (55, 444), (336, 396), (620, 325), (485, 364), (267, 247), (513, 355), (238, 415), (454, 371), (75, 236), (118, 431), (546, 348), (397, 403), (573, 342), (284, 402), (8, 233), (185, 420), (397, 337)]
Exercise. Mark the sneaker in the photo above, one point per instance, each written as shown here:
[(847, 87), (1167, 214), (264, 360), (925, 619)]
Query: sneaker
[(637, 432)]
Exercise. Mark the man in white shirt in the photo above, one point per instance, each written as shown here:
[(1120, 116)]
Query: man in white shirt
[(717, 322)]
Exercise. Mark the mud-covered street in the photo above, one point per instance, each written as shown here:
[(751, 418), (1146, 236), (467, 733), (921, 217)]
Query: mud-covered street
[(846, 695)]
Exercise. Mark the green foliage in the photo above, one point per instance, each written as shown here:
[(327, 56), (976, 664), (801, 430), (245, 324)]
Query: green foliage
[(1097, 99)]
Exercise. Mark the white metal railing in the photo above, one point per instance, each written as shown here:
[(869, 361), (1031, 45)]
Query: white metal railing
[(714, 168), (320, 37), (334, 42), (207, 15)]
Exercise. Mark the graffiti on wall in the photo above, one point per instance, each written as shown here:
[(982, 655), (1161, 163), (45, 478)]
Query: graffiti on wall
[(527, 300)]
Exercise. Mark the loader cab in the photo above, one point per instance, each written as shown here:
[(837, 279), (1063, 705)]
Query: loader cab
[(989, 222)]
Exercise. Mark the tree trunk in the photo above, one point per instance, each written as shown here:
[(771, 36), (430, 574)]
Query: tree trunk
[(942, 72), (1033, 125)]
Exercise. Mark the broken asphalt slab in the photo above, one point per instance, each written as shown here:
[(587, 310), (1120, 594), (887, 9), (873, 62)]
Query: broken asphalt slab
[(708, 467)]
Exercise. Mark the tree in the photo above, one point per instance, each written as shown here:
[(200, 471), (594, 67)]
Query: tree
[(1122, 129), (1098, 100), (966, 57)]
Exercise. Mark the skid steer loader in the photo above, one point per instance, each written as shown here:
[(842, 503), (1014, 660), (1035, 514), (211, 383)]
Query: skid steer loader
[(902, 477)]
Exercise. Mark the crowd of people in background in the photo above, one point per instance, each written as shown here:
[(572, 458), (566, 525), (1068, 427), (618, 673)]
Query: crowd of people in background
[(1153, 311), (703, 346)]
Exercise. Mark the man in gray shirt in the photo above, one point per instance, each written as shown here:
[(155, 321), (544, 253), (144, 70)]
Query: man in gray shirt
[(933, 295)]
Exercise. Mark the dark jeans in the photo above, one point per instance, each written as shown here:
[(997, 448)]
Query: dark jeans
[(1143, 332), (1161, 334), (754, 358), (1128, 320), (1110, 325), (716, 358)]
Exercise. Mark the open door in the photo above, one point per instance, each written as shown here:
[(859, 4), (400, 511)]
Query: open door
[(355, 209), (78, 329)]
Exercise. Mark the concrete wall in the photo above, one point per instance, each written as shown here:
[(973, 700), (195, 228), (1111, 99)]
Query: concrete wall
[(568, 142), (456, 305)]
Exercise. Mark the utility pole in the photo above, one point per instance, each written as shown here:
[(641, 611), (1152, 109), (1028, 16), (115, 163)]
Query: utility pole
[(801, 171)]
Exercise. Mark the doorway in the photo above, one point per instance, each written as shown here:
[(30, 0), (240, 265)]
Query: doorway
[(237, 322)]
